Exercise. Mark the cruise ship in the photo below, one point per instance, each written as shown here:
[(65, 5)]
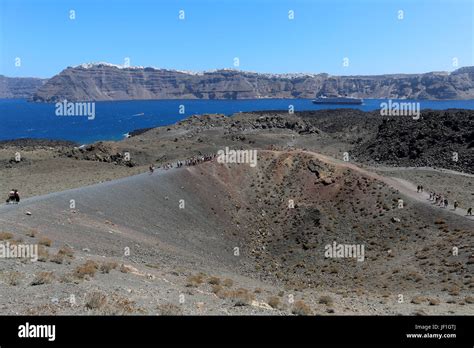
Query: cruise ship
[(338, 100)]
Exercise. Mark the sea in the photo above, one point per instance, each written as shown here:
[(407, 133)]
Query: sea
[(114, 120)]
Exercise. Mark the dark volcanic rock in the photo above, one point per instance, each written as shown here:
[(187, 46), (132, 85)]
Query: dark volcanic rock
[(139, 131), (431, 141), (314, 168), (100, 152)]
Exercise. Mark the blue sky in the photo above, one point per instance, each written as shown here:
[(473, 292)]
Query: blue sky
[(258, 32)]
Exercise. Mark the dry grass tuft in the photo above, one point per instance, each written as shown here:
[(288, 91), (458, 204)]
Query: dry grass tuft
[(301, 308), (88, 269), (193, 281), (43, 278), (214, 281), (13, 278), (45, 241), (96, 300), (274, 302), (327, 300), (125, 269), (418, 299), (241, 297), (106, 267), (58, 258), (66, 252), (169, 309), (228, 283), (5, 235), (43, 254)]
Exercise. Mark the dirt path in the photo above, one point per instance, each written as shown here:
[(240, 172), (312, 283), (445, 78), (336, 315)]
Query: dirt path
[(403, 186), (427, 169)]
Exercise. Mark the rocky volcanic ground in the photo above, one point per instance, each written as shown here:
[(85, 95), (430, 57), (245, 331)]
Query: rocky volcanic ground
[(233, 239)]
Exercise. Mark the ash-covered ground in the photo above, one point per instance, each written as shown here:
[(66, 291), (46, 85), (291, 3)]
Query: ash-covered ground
[(231, 238)]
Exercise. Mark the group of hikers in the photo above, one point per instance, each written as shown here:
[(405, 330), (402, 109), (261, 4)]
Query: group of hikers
[(197, 159), (188, 162), (441, 200), (13, 196)]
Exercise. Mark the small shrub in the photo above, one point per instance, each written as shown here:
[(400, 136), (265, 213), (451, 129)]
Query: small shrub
[(228, 283), (301, 308), (45, 241), (5, 235), (241, 297), (327, 300), (14, 278), (219, 291), (43, 254), (454, 290), (217, 288), (193, 281), (413, 276), (214, 281), (106, 267), (274, 302), (124, 268), (96, 300), (169, 309), (418, 299), (87, 269), (43, 278), (66, 252), (58, 258), (123, 306)]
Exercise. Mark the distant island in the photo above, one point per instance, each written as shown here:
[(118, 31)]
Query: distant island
[(104, 81), (19, 87)]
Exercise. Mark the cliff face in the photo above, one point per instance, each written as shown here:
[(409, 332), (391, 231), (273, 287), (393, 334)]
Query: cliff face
[(19, 87), (108, 82)]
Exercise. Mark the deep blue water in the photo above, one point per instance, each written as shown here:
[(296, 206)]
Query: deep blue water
[(22, 119)]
